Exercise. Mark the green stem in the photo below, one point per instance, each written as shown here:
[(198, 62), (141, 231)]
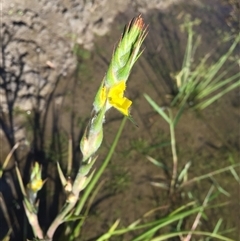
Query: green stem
[(60, 219), (174, 152), (211, 174), (95, 179)]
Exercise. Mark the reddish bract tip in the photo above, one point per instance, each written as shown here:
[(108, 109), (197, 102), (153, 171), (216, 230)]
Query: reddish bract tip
[(139, 22)]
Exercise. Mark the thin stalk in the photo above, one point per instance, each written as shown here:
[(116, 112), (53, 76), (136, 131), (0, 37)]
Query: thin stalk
[(60, 219), (5, 212), (91, 199), (196, 233), (151, 227), (70, 155), (33, 221), (209, 101), (187, 58), (8, 158), (209, 175), (214, 69), (174, 152), (161, 223), (217, 81), (197, 219), (95, 178)]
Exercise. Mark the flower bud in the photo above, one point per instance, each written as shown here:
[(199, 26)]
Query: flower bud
[(36, 183)]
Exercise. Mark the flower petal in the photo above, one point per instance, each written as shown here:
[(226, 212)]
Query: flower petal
[(117, 90), (121, 104), (116, 98)]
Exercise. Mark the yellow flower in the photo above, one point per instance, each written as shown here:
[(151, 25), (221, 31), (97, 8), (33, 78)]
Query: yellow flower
[(115, 97), (36, 185), (36, 182)]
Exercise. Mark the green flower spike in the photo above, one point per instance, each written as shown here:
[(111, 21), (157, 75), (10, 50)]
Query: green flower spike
[(93, 136), (110, 94), (125, 55), (36, 183)]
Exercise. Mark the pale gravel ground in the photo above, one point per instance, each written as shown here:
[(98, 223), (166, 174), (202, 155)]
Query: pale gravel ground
[(38, 38)]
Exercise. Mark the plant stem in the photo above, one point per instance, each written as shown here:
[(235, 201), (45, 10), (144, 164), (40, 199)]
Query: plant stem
[(33, 221), (70, 205), (174, 152), (60, 219), (211, 174), (199, 215), (96, 178)]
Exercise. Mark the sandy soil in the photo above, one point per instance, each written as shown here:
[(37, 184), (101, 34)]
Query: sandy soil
[(45, 67)]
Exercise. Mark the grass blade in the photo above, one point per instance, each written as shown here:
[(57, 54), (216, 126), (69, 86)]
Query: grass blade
[(157, 108), (217, 66), (216, 86), (208, 102)]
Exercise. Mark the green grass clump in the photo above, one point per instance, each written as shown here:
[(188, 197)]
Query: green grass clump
[(199, 85)]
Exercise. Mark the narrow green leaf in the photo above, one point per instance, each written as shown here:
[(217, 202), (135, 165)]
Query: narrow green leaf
[(197, 233), (184, 172), (208, 102), (5, 163), (217, 66), (157, 163), (157, 108), (217, 86), (61, 175), (234, 173), (164, 222)]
